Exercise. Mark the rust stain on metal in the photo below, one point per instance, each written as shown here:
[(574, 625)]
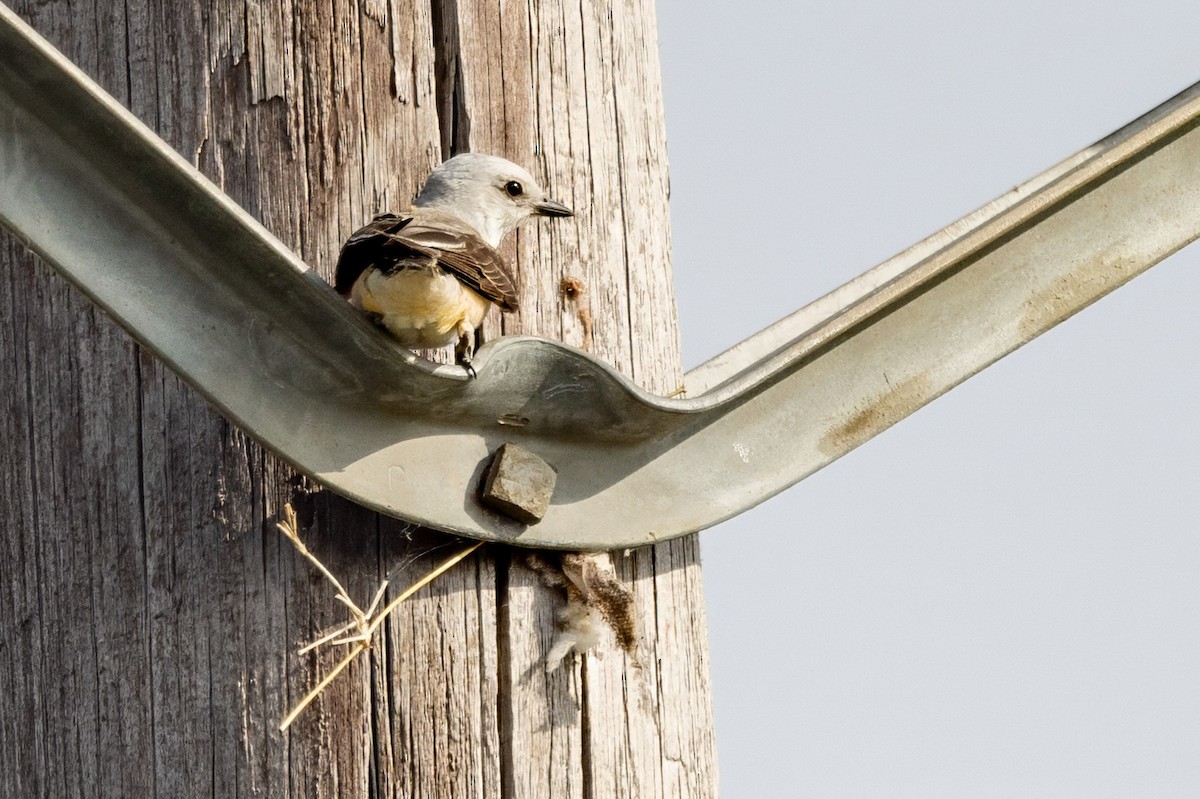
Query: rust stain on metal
[(877, 415), (1068, 294)]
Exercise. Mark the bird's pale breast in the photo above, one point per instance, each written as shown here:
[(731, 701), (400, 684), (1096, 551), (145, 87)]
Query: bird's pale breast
[(421, 308)]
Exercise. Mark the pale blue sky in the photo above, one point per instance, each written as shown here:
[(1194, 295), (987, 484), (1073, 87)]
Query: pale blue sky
[(1001, 595)]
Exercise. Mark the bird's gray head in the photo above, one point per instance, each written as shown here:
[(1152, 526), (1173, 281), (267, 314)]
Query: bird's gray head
[(489, 193)]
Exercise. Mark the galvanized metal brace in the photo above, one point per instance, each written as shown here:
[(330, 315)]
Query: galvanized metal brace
[(211, 292)]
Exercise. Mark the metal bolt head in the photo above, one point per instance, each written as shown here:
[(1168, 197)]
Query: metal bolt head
[(519, 484)]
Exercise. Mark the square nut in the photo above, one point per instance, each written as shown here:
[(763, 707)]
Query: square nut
[(519, 484)]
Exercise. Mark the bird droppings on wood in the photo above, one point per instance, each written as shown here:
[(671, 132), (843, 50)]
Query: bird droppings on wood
[(519, 484)]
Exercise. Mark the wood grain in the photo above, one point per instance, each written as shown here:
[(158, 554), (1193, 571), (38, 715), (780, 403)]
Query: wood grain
[(150, 614)]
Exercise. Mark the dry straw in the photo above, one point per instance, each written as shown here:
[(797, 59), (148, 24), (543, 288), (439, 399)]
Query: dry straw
[(362, 625)]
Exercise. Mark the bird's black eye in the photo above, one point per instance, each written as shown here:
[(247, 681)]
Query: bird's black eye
[(514, 189)]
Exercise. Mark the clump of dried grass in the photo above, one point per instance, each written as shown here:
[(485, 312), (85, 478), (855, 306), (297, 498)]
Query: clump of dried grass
[(359, 631)]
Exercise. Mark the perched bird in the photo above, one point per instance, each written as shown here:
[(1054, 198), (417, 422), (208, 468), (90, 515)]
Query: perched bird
[(430, 274)]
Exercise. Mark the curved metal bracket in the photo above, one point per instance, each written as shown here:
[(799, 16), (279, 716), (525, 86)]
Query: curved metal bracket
[(212, 293)]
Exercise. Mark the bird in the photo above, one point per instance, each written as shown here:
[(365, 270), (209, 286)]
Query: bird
[(430, 274)]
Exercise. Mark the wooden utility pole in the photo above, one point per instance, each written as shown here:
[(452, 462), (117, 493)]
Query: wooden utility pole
[(149, 610)]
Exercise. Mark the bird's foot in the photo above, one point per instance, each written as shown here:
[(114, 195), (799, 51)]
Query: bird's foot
[(464, 351)]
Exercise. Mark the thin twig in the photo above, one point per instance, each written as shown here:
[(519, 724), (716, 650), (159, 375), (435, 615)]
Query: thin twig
[(291, 529), (419, 584), (329, 637), (315, 692), (377, 599)]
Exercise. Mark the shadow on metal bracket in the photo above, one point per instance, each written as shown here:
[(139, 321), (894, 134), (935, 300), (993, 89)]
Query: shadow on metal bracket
[(198, 281)]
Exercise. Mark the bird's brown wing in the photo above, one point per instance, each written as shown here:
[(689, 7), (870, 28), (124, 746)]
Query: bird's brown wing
[(374, 246), (419, 241), (460, 251)]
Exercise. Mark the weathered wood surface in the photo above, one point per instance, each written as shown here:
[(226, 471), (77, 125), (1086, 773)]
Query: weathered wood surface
[(149, 611)]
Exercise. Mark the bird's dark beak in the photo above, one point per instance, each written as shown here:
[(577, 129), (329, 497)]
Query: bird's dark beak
[(552, 208)]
